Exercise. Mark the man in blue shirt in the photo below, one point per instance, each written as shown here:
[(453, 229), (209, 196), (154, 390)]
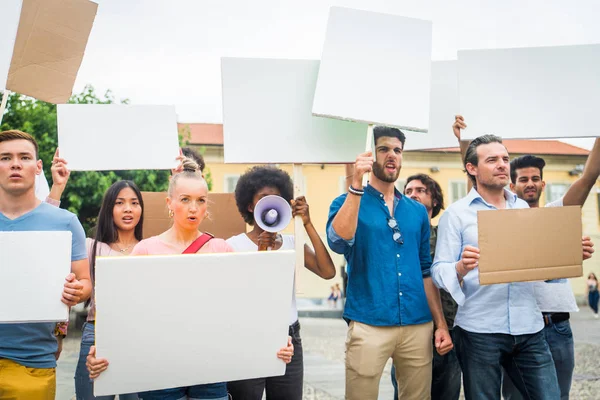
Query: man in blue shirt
[(496, 325), (27, 350), (390, 298)]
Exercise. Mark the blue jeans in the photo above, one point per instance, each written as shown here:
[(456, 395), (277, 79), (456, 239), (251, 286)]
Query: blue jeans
[(445, 377), (286, 387), (525, 358), (211, 391), (560, 340), (84, 386), (593, 300)]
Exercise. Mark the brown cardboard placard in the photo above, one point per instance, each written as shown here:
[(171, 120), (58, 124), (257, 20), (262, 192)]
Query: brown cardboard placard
[(225, 220), (530, 244), (51, 40)]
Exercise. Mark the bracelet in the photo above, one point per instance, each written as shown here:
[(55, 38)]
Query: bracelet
[(356, 192)]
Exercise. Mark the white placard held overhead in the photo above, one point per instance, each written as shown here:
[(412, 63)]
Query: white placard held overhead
[(228, 313), (443, 108), (97, 137), (267, 115), (375, 68), (10, 11), (530, 93), (35, 278)]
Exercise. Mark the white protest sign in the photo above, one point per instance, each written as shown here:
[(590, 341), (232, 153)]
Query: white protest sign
[(375, 68), (10, 10), (527, 93), (226, 315), (35, 276), (267, 115), (96, 137), (443, 108)]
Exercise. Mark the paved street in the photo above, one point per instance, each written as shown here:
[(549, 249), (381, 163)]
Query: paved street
[(323, 341)]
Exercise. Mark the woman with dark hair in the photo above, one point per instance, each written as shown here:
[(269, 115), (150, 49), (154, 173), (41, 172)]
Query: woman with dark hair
[(592, 285), (118, 230), (255, 184), (187, 201)]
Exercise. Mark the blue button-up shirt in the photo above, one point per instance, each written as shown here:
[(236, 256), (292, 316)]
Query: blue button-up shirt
[(385, 278), (508, 308)]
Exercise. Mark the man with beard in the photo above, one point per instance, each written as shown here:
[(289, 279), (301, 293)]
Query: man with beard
[(497, 326), (390, 298), (554, 298), (446, 376)]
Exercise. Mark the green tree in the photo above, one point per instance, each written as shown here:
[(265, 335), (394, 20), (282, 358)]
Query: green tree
[(84, 192)]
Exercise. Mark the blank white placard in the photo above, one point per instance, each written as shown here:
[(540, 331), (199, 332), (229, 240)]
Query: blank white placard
[(375, 68), (526, 93), (443, 108), (97, 137), (35, 278), (10, 12), (267, 115), (191, 319)]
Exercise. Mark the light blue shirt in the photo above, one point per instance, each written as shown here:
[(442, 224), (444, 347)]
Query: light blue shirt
[(508, 308)]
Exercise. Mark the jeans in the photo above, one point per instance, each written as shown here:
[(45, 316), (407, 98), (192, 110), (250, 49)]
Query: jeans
[(445, 379), (560, 340), (286, 387), (526, 359), (211, 391), (593, 301), (84, 386)]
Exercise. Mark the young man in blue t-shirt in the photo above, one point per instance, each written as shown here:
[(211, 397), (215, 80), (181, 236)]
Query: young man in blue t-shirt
[(27, 350)]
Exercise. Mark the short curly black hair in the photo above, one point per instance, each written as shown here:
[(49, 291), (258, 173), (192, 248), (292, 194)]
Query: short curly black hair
[(257, 178)]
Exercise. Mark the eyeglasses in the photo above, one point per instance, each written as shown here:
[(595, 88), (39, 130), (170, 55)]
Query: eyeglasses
[(397, 235)]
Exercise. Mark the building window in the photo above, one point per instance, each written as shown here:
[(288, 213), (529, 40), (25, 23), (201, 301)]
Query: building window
[(230, 183), (555, 191), (458, 190)]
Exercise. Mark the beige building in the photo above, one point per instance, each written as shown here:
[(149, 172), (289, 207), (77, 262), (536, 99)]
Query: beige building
[(324, 182)]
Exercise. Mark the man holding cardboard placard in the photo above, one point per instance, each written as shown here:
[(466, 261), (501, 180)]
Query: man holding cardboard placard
[(496, 325), (390, 298), (27, 351)]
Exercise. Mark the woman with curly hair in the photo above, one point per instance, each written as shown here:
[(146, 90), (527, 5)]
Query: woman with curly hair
[(255, 184)]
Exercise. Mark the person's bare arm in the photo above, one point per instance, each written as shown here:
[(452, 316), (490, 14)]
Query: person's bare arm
[(346, 220), (459, 124), (60, 177), (78, 286), (318, 261), (580, 189)]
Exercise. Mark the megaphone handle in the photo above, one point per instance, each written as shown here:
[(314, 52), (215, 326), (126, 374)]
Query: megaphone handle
[(369, 145)]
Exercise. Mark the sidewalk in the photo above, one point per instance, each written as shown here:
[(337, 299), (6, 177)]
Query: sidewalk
[(323, 341)]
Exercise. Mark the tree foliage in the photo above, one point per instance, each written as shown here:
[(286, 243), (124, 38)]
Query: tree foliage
[(85, 190)]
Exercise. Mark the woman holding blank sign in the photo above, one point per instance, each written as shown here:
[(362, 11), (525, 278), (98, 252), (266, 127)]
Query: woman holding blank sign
[(253, 186), (187, 203)]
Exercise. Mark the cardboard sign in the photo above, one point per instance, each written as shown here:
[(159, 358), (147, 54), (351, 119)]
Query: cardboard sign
[(190, 316), (50, 44), (10, 10), (224, 219), (97, 137), (443, 108), (267, 115), (375, 68), (527, 93), (36, 278), (532, 244)]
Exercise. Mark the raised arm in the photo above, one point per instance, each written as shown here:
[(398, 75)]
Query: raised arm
[(580, 189), (318, 261), (459, 124), (346, 220), (60, 177)]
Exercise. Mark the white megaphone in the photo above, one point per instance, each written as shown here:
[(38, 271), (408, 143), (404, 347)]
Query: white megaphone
[(272, 213)]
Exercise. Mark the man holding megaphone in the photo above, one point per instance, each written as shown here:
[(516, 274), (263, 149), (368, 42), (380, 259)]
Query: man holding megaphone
[(264, 196)]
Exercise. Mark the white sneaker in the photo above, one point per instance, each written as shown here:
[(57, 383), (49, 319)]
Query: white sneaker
[(595, 315)]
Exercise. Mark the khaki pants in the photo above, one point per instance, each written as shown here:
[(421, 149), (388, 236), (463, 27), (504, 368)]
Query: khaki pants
[(18, 382), (369, 347)]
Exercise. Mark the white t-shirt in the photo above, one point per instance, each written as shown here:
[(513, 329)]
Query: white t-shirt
[(555, 296), (242, 242)]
